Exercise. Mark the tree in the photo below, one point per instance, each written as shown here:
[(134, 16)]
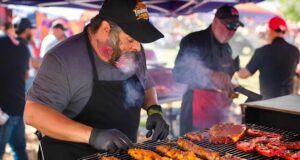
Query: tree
[(289, 8)]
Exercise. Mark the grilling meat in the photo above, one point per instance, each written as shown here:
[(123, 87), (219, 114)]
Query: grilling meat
[(245, 146), (231, 157), (250, 145), (226, 133), (176, 154), (194, 136), (292, 145), (109, 158), (143, 154), (259, 133), (200, 151), (265, 150)]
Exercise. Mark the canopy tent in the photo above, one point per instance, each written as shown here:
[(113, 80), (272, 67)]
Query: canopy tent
[(161, 7), (260, 14)]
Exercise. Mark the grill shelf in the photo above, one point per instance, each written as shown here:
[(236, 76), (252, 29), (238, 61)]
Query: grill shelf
[(221, 148)]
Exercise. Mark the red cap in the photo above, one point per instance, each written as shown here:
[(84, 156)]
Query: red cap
[(277, 23)]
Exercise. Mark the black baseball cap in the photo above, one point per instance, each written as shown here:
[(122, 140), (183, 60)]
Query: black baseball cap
[(229, 15), (132, 16), (21, 24), (58, 25)]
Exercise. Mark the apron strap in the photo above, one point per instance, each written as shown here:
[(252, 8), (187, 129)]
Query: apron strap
[(90, 53)]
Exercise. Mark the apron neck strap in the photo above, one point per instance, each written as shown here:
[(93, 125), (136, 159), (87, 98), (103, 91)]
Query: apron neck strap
[(90, 53)]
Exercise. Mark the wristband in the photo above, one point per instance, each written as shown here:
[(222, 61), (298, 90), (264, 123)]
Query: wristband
[(154, 109)]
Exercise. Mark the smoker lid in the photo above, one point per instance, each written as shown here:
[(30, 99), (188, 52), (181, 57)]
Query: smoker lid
[(287, 104)]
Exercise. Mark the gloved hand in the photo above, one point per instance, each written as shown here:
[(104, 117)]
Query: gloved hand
[(156, 122), (109, 140)]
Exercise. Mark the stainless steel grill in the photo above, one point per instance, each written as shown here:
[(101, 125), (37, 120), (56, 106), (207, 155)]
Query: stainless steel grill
[(221, 148)]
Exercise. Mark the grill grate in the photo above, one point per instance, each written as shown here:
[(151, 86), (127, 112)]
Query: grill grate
[(222, 148)]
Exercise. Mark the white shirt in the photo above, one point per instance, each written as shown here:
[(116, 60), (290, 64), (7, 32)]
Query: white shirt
[(48, 42)]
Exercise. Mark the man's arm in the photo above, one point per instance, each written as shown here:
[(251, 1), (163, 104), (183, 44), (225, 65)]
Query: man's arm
[(150, 97), (254, 64), (54, 124)]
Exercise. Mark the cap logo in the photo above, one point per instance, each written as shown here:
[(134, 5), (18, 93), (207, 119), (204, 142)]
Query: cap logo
[(234, 12), (141, 11)]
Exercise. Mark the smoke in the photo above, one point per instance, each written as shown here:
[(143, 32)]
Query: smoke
[(191, 70), (127, 62), (133, 90), (134, 93)]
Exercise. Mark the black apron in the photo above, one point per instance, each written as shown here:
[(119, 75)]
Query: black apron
[(107, 108)]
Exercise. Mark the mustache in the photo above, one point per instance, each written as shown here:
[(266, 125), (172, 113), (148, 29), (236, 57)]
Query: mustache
[(126, 55)]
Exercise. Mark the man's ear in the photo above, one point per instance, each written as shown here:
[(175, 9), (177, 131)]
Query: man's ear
[(105, 26)]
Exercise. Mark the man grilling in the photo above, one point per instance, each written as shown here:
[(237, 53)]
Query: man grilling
[(90, 88), (205, 64)]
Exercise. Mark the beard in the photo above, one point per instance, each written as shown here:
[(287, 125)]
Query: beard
[(127, 62), (28, 37)]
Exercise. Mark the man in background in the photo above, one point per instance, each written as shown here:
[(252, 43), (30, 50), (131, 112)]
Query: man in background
[(205, 64), (14, 61), (275, 61), (56, 35)]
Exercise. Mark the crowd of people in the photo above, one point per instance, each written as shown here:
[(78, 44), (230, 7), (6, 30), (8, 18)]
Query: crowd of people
[(90, 88)]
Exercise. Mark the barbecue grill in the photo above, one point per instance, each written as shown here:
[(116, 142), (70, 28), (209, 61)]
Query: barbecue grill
[(282, 112), (221, 148)]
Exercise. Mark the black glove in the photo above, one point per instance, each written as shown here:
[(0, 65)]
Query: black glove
[(110, 140), (156, 122)]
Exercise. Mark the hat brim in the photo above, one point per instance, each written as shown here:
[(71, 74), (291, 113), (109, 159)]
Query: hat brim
[(142, 31)]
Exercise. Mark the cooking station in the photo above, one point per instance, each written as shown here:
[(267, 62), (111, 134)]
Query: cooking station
[(278, 115)]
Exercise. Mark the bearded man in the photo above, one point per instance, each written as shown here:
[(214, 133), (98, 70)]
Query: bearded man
[(89, 91)]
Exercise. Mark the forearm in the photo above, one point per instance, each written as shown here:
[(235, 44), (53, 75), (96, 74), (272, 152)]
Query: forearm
[(150, 98), (54, 124)]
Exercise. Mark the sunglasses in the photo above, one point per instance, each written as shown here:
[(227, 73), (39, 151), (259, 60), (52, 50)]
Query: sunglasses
[(231, 26)]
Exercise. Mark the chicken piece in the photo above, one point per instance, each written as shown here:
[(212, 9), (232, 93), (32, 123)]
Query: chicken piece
[(194, 136), (245, 146), (265, 150), (109, 158), (176, 154), (143, 154), (259, 133), (231, 157), (292, 145), (200, 151)]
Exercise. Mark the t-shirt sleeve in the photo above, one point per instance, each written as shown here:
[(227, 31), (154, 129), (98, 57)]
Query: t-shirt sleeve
[(51, 86), (255, 63)]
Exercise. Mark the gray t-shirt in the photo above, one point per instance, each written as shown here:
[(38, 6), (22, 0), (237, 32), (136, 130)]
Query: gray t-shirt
[(65, 80)]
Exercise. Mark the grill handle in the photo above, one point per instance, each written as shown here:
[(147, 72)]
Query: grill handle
[(252, 96)]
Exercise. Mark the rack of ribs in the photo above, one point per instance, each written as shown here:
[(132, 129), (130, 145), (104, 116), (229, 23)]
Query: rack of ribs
[(144, 154), (176, 154), (200, 151)]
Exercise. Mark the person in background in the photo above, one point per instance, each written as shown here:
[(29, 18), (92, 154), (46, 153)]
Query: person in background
[(56, 35), (276, 62), (90, 89), (14, 61), (205, 64), (9, 31)]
